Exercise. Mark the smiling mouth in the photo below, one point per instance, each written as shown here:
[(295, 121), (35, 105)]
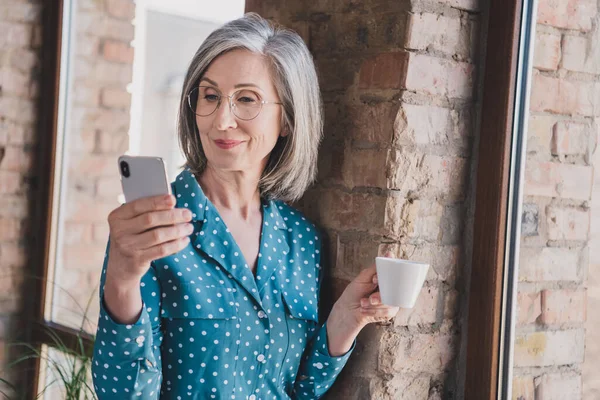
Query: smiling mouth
[(227, 144)]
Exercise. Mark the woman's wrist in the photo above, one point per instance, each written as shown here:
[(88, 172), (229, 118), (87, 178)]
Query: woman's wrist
[(122, 300), (341, 331)]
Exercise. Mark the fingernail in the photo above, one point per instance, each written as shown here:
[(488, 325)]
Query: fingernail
[(374, 301), (364, 303), (375, 280)]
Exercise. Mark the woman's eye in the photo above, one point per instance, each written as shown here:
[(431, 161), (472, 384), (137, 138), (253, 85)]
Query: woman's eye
[(211, 97), (246, 99)]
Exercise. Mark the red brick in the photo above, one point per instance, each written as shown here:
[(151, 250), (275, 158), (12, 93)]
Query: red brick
[(539, 135), (352, 253), (424, 311), (470, 5), (430, 125), (115, 98), (117, 29), (14, 206), (124, 9), (14, 35), (108, 120), (10, 182), (116, 51), (439, 77), (18, 134), (384, 71), (428, 173), (572, 138), (101, 232), (431, 353), (569, 97), (20, 11), (86, 209), (24, 60), (77, 233), (37, 36), (365, 167), (438, 33), (567, 223), (522, 388), (111, 73), (546, 348), (369, 123), (93, 165), (563, 306), (547, 51), (339, 73), (550, 264), (13, 255), (551, 179), (18, 109), (451, 303), (108, 187), (10, 229), (414, 219), (529, 307), (349, 211), (404, 386), (16, 159), (559, 386), (112, 143), (579, 55), (568, 14)]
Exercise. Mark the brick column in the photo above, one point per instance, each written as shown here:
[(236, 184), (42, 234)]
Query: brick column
[(398, 82), (20, 42)]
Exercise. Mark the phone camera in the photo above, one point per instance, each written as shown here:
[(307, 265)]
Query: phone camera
[(125, 169)]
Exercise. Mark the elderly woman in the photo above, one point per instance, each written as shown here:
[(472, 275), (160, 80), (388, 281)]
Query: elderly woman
[(212, 293)]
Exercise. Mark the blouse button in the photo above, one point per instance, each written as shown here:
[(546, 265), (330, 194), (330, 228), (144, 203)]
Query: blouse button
[(261, 358), (261, 314), (140, 339), (149, 364)]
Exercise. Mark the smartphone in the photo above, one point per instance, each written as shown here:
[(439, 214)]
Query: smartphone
[(143, 177)]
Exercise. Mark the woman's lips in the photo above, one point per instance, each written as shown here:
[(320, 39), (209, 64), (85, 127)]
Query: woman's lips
[(227, 144)]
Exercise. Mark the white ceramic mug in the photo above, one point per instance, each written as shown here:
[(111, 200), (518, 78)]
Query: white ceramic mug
[(400, 281)]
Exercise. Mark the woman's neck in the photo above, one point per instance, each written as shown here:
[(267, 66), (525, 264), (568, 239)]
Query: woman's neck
[(235, 192)]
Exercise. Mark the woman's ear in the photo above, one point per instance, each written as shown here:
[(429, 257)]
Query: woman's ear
[(284, 131)]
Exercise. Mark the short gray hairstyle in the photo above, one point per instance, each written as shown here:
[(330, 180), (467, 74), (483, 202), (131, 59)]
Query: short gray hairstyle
[(292, 165)]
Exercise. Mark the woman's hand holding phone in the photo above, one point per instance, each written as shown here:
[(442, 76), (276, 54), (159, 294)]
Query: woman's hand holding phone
[(141, 231)]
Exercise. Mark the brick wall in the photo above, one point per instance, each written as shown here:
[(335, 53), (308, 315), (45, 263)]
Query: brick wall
[(560, 199), (20, 42), (398, 85), (96, 132)]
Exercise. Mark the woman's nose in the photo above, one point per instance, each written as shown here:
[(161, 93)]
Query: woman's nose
[(224, 118)]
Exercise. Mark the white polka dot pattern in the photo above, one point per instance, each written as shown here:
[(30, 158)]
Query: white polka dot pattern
[(210, 328)]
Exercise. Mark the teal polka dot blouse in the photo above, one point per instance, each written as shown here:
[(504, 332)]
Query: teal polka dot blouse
[(210, 328)]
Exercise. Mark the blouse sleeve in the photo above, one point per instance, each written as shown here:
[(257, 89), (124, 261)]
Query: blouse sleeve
[(318, 369), (126, 362)]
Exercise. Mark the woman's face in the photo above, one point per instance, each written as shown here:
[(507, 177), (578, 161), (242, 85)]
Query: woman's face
[(230, 143)]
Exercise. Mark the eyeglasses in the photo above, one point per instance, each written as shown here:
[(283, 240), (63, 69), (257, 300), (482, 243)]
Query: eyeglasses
[(245, 104)]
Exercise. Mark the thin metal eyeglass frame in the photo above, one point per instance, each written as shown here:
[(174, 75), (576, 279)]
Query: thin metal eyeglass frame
[(232, 107)]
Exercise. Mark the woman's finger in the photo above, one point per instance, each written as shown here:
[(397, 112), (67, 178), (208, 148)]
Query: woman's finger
[(379, 312)]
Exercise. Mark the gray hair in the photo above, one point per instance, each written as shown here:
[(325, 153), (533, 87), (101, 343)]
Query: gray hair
[(292, 164)]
